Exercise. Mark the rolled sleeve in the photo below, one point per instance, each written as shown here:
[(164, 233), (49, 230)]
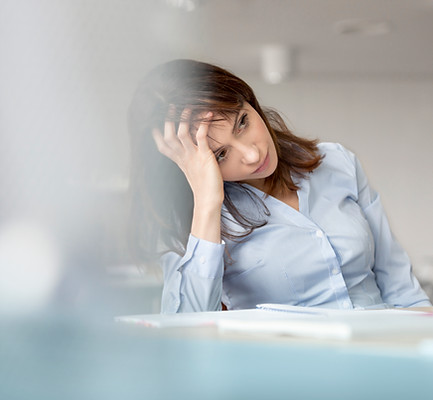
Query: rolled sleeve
[(193, 282)]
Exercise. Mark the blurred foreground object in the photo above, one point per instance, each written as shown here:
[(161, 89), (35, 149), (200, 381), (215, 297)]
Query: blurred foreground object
[(29, 267), (61, 359)]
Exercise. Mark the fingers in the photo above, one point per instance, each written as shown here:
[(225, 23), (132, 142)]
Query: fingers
[(161, 144), (174, 145), (183, 132), (169, 143), (169, 131), (202, 132)]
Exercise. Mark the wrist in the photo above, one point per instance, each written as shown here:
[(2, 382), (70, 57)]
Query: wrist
[(209, 206), (208, 210), (206, 223)]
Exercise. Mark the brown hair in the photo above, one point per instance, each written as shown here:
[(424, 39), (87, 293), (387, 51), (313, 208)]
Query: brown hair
[(161, 199)]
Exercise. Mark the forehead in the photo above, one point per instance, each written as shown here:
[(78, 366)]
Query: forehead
[(219, 133), (221, 124)]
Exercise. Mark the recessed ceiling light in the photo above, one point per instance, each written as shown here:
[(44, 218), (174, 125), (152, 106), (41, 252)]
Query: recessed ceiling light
[(186, 5), (365, 27)]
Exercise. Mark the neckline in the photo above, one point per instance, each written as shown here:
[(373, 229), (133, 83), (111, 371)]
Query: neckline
[(265, 195), (301, 217)]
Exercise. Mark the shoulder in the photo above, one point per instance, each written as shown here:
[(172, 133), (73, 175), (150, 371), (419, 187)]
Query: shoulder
[(336, 151), (337, 157), (338, 167)]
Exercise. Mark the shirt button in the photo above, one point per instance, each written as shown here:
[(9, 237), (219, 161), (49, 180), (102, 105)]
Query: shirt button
[(346, 304), (202, 259), (335, 271), (319, 234)]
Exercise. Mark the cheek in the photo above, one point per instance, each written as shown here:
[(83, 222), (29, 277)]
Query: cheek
[(229, 173)]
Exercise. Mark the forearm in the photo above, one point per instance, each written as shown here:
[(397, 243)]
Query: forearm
[(193, 282), (206, 222), (399, 287)]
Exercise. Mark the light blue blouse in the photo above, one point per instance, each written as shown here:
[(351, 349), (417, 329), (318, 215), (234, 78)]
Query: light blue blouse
[(337, 251)]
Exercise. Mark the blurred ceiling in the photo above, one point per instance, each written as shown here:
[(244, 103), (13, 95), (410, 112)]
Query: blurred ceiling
[(326, 38)]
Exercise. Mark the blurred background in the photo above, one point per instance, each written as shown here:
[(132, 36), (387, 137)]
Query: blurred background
[(355, 72)]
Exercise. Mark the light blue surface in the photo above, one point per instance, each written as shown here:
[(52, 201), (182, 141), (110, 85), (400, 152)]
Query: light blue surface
[(55, 359)]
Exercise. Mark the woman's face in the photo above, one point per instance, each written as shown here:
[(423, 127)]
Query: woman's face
[(243, 147)]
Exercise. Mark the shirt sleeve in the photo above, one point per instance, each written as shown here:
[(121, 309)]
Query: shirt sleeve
[(193, 282), (394, 276)]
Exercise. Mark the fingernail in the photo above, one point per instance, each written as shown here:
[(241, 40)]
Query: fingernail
[(171, 110)]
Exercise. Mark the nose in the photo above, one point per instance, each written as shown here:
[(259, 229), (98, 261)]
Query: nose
[(250, 154)]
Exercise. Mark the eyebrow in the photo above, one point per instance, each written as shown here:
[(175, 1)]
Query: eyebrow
[(238, 112), (235, 123)]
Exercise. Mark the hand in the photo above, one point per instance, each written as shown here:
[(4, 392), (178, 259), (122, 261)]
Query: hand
[(196, 161)]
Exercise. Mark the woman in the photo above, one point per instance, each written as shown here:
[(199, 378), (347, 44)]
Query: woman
[(240, 211)]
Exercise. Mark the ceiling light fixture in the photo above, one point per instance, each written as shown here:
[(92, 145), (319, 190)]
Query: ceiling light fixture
[(356, 26), (186, 5), (275, 63)]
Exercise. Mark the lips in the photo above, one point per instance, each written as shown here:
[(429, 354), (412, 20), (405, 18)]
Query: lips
[(263, 166)]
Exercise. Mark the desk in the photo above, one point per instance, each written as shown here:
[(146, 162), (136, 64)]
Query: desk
[(53, 357)]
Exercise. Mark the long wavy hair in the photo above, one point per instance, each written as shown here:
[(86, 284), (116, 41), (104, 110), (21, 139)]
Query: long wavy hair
[(161, 198)]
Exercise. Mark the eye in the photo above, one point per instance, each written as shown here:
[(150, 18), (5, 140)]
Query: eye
[(243, 122), (221, 155)]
